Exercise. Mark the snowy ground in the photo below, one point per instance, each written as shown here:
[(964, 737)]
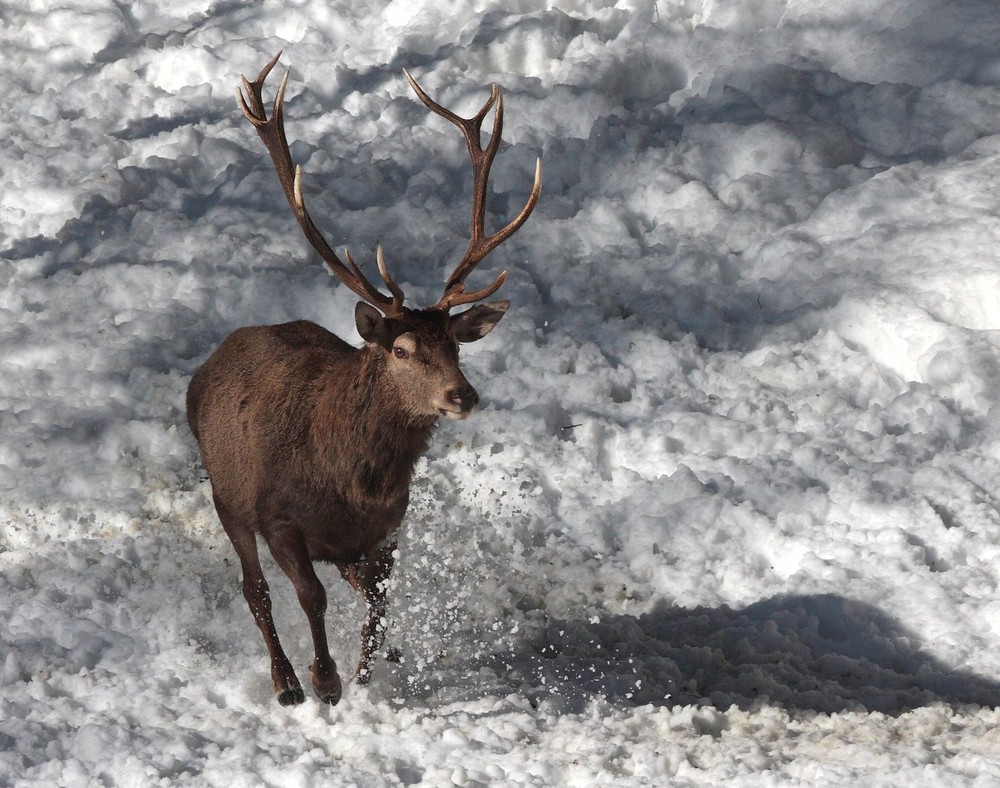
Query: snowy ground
[(728, 516)]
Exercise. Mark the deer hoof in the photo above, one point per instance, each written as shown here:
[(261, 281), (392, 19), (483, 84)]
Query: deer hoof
[(329, 695), (327, 687), (291, 697)]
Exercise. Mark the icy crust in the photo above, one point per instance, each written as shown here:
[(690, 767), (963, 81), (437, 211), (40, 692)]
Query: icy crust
[(727, 515)]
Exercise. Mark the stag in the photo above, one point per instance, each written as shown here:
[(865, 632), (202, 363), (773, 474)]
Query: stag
[(309, 442)]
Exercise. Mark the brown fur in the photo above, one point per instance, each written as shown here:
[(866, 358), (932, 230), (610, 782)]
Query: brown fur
[(310, 445)]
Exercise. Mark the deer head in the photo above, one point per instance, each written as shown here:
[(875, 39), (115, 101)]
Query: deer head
[(409, 339)]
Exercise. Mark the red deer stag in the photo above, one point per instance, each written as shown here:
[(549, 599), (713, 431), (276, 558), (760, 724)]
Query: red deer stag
[(309, 442)]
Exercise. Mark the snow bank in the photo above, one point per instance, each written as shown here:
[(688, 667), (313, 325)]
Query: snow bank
[(727, 515)]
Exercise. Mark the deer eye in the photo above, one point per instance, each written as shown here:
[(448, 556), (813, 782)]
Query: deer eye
[(399, 352)]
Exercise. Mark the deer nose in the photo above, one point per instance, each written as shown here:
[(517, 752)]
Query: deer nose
[(465, 397)]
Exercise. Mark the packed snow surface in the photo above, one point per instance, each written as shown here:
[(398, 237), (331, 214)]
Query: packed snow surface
[(728, 514)]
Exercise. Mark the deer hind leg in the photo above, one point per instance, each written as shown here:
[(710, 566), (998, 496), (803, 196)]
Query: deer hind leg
[(258, 596), (293, 558), (370, 577)]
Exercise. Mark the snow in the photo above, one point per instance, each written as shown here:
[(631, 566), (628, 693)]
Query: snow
[(727, 514)]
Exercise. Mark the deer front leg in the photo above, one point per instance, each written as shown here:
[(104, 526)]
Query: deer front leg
[(286, 684), (258, 596), (290, 552), (370, 576)]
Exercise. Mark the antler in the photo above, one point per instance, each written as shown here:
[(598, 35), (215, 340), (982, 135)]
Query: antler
[(272, 132), (480, 244)]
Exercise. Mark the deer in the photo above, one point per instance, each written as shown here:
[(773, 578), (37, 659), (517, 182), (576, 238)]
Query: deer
[(310, 443)]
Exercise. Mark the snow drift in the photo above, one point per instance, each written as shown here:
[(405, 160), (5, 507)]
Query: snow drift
[(728, 514)]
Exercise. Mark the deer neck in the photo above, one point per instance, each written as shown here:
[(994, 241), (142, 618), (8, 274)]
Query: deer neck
[(362, 416)]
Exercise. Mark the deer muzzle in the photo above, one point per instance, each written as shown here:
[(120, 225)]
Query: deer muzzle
[(460, 401)]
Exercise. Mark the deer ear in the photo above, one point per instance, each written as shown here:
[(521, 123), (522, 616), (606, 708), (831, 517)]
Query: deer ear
[(475, 323), (370, 323)]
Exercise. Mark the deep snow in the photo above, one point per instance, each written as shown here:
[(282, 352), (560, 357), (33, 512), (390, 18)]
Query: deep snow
[(728, 513)]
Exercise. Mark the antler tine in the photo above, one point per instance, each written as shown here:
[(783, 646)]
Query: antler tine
[(480, 244), (456, 295), (272, 133), (397, 293)]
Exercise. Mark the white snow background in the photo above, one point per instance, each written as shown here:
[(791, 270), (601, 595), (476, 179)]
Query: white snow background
[(728, 515)]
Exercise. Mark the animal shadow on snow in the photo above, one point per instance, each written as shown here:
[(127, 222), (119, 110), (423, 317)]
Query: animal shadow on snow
[(820, 653)]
